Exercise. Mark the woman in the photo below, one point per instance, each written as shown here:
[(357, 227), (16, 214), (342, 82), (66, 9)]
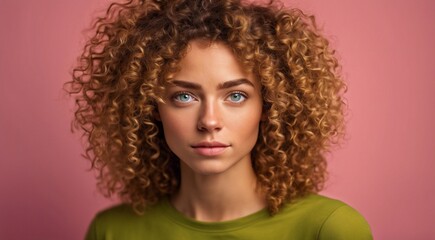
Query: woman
[(210, 119)]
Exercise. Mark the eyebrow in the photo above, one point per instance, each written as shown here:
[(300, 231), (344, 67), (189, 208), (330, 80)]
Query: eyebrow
[(224, 85)]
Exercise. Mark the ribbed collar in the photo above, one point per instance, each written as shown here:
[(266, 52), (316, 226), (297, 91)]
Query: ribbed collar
[(226, 226)]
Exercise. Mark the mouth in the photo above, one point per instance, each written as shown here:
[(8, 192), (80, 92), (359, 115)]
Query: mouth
[(213, 144), (210, 148)]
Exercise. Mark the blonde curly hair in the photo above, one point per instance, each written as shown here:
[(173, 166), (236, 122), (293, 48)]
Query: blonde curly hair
[(137, 46)]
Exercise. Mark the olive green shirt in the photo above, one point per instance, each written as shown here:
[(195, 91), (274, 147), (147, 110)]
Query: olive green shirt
[(311, 217)]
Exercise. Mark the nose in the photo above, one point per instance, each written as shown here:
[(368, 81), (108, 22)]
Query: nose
[(209, 118)]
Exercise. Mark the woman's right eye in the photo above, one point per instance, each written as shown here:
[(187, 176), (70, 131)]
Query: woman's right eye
[(184, 97)]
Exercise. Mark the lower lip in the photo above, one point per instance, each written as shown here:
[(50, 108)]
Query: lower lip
[(209, 151)]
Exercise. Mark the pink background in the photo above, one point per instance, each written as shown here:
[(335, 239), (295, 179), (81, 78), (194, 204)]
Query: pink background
[(385, 169)]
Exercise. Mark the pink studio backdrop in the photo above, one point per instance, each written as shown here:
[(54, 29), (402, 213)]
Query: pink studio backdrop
[(385, 169)]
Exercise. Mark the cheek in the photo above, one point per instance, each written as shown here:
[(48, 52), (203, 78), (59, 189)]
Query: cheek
[(175, 127), (251, 131), (246, 123)]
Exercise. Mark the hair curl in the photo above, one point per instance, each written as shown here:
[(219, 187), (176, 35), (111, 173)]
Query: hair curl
[(137, 46)]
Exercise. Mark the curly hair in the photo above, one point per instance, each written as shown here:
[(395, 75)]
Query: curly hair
[(136, 48)]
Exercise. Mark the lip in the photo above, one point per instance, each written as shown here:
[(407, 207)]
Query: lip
[(210, 148), (211, 144)]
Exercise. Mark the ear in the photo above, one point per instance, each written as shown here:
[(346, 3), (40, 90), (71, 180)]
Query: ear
[(156, 115), (264, 113), (263, 116)]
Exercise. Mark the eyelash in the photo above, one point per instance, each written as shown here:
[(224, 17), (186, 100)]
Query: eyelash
[(177, 94), (244, 95), (182, 93)]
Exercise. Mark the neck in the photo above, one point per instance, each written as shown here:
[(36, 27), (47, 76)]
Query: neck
[(219, 197)]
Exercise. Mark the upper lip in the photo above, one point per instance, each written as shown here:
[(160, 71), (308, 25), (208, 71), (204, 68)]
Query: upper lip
[(210, 144)]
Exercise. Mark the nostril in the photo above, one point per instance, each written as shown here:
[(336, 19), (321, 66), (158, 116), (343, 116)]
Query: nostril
[(209, 119), (209, 124)]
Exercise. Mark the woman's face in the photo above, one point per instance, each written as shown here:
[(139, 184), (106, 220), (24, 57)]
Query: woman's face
[(212, 110)]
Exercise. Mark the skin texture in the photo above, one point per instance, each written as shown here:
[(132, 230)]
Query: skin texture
[(212, 99)]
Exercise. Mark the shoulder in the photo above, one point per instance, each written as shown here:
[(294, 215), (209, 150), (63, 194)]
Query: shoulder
[(116, 214), (121, 221), (345, 223), (108, 221), (329, 218)]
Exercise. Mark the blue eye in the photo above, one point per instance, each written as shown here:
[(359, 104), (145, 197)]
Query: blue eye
[(236, 97), (183, 97)]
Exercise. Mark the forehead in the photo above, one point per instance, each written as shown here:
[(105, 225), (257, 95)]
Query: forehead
[(201, 52), (205, 59)]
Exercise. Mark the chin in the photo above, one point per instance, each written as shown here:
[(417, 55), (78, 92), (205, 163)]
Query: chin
[(225, 165), (211, 167)]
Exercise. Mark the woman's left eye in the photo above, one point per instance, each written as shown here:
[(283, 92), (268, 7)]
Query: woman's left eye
[(236, 97)]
